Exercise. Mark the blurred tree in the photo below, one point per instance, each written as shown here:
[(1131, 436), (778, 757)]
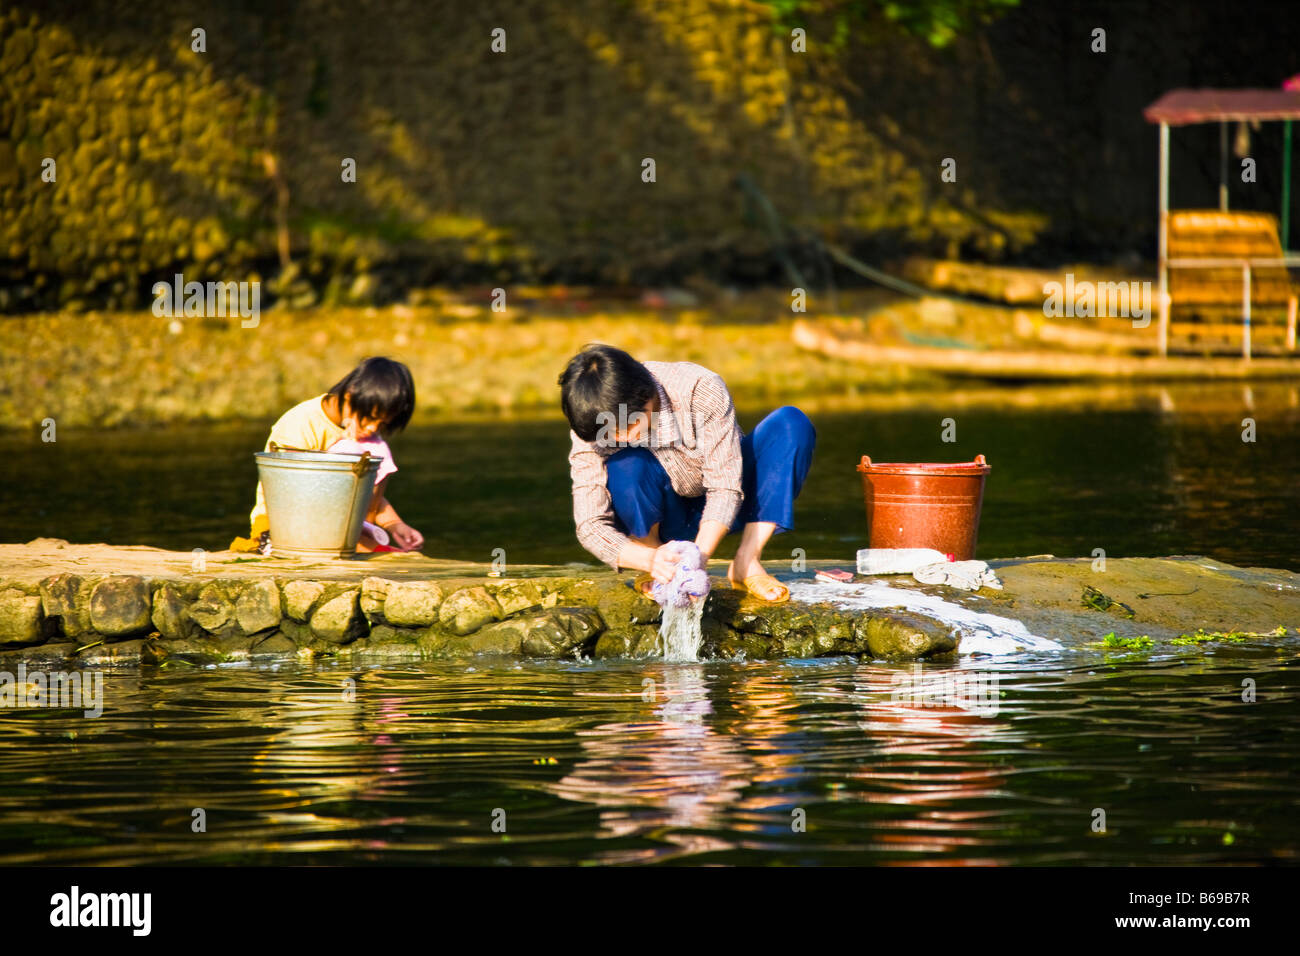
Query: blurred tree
[(938, 21)]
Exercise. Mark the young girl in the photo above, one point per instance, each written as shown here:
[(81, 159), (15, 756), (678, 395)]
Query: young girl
[(374, 400)]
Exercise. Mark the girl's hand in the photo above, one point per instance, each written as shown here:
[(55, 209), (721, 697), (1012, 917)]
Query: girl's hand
[(405, 537)]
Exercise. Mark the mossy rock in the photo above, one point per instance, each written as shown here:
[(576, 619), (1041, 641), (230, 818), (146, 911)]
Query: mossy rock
[(61, 601), (382, 634), (135, 651), (171, 615), (519, 596), (636, 641), (337, 619), (374, 592), (120, 606), (905, 637), (258, 607), (215, 613), (468, 609), (20, 617), (413, 603), (555, 632), (300, 598), (619, 605), (276, 643)]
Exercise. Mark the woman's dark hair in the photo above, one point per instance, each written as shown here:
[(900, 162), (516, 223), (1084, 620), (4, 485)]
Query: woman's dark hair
[(379, 388), (597, 381)]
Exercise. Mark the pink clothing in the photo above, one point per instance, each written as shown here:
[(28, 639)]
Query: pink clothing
[(377, 447)]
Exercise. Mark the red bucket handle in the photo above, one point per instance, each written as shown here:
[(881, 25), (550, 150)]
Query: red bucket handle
[(865, 463)]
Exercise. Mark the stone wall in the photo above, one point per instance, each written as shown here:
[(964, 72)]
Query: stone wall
[(127, 618), (98, 604), (469, 164), (527, 164)]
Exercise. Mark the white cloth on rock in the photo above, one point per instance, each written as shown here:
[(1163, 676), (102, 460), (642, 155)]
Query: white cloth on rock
[(967, 575)]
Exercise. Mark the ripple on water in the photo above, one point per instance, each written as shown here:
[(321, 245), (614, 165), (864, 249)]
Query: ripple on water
[(735, 762)]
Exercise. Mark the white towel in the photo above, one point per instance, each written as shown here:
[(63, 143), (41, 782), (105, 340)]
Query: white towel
[(967, 575), (376, 532)]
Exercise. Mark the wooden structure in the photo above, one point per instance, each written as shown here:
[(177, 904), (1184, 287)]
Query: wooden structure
[(851, 341), (1240, 247), (1253, 297)]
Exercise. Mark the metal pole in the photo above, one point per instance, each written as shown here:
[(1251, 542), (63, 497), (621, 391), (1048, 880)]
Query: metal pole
[(1286, 187), (1223, 165), (1245, 310), (1162, 254)]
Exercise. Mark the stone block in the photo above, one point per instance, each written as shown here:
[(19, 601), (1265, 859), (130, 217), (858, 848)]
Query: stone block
[(20, 617), (468, 609), (120, 606)]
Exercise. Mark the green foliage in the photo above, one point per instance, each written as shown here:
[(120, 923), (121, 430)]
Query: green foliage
[(1127, 643), (1226, 637), (938, 21)]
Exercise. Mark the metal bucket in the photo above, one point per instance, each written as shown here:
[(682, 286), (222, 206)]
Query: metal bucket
[(924, 505), (316, 501)]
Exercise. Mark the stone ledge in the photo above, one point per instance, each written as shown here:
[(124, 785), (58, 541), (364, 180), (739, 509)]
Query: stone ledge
[(106, 605)]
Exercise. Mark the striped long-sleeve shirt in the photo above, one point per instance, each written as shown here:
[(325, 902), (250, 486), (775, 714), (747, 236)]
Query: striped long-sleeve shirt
[(696, 438)]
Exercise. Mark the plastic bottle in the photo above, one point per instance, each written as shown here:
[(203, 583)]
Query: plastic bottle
[(897, 560)]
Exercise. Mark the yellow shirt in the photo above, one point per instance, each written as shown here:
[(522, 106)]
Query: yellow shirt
[(304, 426)]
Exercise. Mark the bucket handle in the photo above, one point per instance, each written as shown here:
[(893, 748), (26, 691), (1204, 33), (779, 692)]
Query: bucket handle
[(358, 467), (866, 462)]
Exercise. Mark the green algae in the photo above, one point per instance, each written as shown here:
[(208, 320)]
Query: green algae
[(1226, 637), (1142, 643)]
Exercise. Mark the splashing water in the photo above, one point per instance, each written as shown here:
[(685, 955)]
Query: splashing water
[(682, 599), (981, 633), (680, 630)]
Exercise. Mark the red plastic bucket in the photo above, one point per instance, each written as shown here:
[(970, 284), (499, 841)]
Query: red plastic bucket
[(924, 505)]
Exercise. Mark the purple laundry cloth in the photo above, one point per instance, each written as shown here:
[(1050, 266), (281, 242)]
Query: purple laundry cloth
[(689, 581)]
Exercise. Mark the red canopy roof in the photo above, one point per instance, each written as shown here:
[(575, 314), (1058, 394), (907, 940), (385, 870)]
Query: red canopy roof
[(1182, 107)]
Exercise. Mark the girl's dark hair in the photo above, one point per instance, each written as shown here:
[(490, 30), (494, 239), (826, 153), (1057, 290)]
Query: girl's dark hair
[(380, 388), (598, 380)]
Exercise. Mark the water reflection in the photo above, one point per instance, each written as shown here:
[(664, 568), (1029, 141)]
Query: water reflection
[(930, 762), (670, 771), (723, 762)]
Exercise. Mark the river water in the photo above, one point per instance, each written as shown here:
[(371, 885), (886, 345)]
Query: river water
[(1086, 757)]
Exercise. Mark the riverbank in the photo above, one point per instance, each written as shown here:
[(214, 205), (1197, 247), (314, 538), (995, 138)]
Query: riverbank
[(103, 605), (136, 369)]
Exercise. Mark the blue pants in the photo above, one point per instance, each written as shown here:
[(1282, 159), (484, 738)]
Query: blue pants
[(777, 456)]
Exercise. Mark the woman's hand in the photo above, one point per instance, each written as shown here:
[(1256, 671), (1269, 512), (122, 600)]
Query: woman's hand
[(664, 564), (404, 536)]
